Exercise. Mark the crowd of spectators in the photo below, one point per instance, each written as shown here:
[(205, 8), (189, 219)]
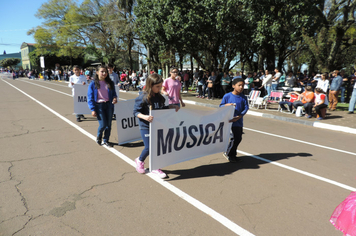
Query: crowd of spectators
[(337, 86)]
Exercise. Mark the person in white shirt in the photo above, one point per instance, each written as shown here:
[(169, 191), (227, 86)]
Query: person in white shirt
[(323, 82), (77, 78), (275, 79), (267, 83)]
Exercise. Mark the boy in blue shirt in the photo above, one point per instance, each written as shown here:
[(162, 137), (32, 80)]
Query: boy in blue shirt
[(239, 100)]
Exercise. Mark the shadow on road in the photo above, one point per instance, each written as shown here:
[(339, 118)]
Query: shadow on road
[(221, 169)]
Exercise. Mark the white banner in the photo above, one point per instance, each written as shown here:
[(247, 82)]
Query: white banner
[(80, 99), (6, 76), (128, 129), (188, 134)]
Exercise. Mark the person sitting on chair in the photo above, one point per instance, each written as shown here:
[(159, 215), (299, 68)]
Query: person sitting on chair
[(306, 99), (293, 97)]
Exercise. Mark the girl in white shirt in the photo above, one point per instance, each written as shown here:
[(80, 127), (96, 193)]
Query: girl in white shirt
[(323, 83)]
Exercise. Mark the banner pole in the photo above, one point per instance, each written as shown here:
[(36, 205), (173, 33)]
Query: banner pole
[(150, 141)]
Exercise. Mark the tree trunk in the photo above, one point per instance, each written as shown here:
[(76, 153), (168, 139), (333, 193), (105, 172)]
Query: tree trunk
[(271, 58), (261, 59), (148, 60)]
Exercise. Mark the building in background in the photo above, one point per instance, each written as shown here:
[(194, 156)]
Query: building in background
[(12, 55), (26, 48)]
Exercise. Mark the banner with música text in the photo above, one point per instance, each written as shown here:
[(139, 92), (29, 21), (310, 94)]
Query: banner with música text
[(188, 134)]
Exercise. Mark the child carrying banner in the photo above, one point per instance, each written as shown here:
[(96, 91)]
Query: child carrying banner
[(238, 99), (150, 96), (77, 78), (101, 98)]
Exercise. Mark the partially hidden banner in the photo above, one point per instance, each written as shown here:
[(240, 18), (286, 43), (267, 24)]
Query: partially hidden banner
[(188, 134), (128, 129), (80, 99)]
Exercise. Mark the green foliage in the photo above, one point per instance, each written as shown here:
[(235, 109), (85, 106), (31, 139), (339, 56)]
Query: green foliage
[(9, 62)]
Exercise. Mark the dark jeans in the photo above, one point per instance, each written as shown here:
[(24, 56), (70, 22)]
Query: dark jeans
[(290, 105), (200, 89), (307, 106), (211, 93), (145, 134), (237, 132), (186, 85), (104, 117), (225, 89), (318, 107)]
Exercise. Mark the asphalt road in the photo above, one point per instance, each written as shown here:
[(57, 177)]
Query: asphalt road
[(55, 180)]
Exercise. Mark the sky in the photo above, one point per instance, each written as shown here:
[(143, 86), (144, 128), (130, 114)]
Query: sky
[(16, 19)]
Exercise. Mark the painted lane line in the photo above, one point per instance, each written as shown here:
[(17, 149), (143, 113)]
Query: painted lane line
[(300, 171), (300, 141), (70, 95), (194, 202)]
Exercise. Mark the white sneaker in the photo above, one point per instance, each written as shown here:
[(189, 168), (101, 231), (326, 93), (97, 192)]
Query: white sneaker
[(159, 173)]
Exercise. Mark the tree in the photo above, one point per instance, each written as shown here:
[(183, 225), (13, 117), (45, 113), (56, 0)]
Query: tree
[(333, 36), (278, 25), (193, 27), (9, 62), (94, 24)]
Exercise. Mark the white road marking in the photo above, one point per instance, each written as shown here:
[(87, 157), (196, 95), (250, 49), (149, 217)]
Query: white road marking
[(300, 141), (300, 171), (199, 205), (70, 95)]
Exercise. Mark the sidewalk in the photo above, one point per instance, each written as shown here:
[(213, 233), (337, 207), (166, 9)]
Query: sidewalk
[(335, 120)]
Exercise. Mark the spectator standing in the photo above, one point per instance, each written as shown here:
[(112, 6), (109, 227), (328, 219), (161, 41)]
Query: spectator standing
[(323, 83), (275, 79), (226, 83), (334, 90), (290, 80), (186, 81), (344, 85), (211, 83), (352, 103), (267, 83)]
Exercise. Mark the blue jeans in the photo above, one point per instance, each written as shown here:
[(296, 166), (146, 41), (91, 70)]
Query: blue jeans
[(352, 101), (343, 89), (269, 90), (274, 87), (104, 117), (145, 134), (283, 103)]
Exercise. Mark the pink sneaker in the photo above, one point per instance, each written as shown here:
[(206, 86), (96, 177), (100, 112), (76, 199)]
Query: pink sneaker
[(140, 166), (159, 173)]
